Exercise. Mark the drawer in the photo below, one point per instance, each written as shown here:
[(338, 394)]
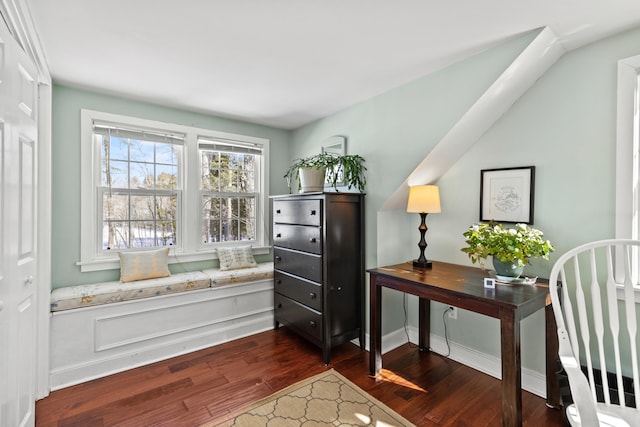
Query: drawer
[(303, 212), (296, 315), (303, 291), (301, 237), (298, 263)]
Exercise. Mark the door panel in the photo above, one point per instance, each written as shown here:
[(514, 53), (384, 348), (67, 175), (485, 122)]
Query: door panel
[(25, 366), (4, 294), (26, 292), (28, 88), (2, 67), (27, 211), (2, 204), (18, 263)]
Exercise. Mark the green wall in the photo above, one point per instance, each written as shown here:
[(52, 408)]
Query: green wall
[(565, 125), (67, 103), (394, 132)]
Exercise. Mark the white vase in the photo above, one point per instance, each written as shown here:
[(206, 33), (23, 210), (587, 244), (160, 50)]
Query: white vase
[(311, 180)]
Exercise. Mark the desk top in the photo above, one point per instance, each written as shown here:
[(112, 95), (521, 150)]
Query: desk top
[(451, 283)]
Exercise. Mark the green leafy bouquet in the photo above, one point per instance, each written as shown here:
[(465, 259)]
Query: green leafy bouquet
[(516, 244)]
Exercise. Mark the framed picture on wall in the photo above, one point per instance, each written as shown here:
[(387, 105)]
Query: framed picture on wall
[(506, 195)]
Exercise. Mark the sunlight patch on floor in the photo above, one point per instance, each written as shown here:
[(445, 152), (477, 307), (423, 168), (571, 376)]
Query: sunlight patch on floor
[(365, 419), (390, 376)]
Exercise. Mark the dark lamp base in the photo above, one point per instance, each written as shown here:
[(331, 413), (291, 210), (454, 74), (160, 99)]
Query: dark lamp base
[(421, 264)]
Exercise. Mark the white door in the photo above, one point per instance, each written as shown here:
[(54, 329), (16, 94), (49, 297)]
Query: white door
[(18, 147)]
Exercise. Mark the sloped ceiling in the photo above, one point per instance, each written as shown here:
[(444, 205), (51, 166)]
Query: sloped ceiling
[(525, 70), (285, 63)]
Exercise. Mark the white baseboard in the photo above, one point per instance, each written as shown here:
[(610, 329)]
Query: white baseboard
[(532, 381)]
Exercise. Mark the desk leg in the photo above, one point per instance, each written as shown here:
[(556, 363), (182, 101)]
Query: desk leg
[(375, 326), (551, 335), (424, 323), (511, 369)]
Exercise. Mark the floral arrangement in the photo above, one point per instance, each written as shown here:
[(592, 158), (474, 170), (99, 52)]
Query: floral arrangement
[(516, 244)]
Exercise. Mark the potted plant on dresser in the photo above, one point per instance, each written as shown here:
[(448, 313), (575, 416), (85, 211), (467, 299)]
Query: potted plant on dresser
[(311, 173)]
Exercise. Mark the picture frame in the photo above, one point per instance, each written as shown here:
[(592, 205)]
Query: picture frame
[(507, 194)]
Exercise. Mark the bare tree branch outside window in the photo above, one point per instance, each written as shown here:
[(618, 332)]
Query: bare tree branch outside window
[(140, 192)]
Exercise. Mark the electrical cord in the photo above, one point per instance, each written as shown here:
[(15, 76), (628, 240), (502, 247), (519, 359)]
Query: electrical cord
[(406, 321), (446, 338), (444, 322)]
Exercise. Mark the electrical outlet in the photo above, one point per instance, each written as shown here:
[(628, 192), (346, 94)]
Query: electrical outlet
[(453, 312)]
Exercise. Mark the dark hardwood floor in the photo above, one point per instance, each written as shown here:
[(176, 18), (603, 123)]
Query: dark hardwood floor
[(425, 388)]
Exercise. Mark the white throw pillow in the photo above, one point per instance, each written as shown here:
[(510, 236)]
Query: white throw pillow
[(236, 257), (144, 265)]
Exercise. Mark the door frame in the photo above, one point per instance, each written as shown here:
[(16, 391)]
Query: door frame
[(20, 23)]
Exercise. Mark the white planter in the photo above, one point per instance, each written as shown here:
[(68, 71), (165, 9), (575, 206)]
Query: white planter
[(311, 180)]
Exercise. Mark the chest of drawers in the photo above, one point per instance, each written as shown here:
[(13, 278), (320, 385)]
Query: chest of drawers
[(318, 252)]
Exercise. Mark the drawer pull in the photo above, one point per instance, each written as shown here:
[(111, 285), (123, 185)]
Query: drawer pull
[(278, 235), (278, 282), (278, 258), (339, 288), (313, 212), (279, 306), (313, 240), (312, 323), (278, 211), (312, 295)]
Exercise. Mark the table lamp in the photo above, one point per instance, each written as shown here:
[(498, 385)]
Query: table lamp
[(423, 199)]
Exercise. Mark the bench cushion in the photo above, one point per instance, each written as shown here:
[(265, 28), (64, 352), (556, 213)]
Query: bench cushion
[(218, 277), (108, 292)]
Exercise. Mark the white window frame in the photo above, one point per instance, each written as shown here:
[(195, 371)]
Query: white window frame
[(627, 221), (190, 247), (259, 204), (176, 140)]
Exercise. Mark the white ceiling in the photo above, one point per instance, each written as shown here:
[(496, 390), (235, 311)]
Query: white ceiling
[(285, 63)]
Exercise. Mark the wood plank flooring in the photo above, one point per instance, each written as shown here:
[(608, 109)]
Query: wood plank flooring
[(425, 388)]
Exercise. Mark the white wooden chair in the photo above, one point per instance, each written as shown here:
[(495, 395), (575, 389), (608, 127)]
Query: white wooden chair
[(598, 330)]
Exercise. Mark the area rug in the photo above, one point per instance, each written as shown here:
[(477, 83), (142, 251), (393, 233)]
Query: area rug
[(327, 399)]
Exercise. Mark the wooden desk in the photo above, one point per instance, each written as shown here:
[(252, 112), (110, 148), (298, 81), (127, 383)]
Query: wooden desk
[(463, 287)]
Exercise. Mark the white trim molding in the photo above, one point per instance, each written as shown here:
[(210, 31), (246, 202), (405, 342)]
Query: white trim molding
[(18, 18), (627, 222)]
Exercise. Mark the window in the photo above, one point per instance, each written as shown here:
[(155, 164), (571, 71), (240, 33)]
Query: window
[(140, 189), (628, 156), (229, 179), (151, 184)]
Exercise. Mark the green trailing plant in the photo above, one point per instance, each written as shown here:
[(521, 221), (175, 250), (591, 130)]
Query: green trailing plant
[(346, 169), (517, 244)]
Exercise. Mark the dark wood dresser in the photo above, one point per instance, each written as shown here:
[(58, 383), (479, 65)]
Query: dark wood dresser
[(318, 251)]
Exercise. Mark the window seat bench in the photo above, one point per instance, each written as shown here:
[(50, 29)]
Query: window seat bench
[(104, 328), (108, 292)]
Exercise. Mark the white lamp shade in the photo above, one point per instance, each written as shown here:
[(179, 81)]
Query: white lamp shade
[(424, 199)]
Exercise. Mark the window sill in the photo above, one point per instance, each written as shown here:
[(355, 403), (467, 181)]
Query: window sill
[(113, 263), (620, 293)]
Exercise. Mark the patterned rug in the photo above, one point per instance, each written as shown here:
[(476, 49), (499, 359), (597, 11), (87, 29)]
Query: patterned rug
[(327, 399)]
